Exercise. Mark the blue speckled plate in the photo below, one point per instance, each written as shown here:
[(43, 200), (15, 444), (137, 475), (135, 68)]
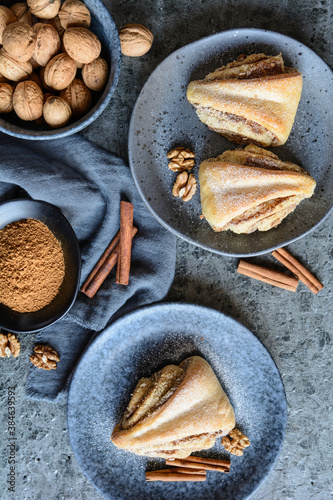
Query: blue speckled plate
[(163, 118), (143, 342)]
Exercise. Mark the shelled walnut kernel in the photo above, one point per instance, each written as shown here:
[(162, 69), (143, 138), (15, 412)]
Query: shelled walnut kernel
[(181, 159), (45, 357), (185, 186), (9, 345), (237, 443)]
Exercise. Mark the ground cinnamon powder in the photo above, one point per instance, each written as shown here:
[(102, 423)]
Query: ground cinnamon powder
[(32, 265)]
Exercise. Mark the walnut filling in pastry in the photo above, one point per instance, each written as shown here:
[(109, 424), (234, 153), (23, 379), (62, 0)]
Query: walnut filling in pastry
[(250, 189), (251, 100), (178, 410)]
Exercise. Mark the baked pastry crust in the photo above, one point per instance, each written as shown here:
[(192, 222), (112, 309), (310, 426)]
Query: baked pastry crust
[(179, 410), (251, 100), (250, 189)]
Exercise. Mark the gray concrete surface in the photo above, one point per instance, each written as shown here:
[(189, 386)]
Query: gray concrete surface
[(295, 328)]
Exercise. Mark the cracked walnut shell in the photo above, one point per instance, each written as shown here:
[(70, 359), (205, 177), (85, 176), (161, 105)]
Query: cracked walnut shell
[(28, 101), (95, 74), (44, 9), (185, 186), (9, 345), (135, 40), (6, 98), (81, 44), (181, 159), (47, 43), (59, 72), (44, 357), (237, 443), (19, 40), (74, 13)]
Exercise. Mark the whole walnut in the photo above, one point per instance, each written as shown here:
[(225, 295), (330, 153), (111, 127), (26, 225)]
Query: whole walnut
[(95, 74), (135, 40), (81, 44), (44, 9), (57, 112), (28, 101), (22, 12), (74, 13), (60, 72), (19, 41), (6, 98), (6, 17), (12, 69), (78, 97), (47, 43)]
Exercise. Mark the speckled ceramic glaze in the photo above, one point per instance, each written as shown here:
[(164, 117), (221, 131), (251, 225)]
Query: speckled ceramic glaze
[(143, 342), (163, 119), (104, 27)]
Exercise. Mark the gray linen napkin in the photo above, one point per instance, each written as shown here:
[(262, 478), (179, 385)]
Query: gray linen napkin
[(87, 183)]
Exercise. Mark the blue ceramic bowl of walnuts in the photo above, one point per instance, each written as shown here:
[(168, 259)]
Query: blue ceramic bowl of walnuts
[(103, 26)]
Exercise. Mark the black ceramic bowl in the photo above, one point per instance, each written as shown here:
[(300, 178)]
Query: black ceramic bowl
[(104, 27), (15, 210)]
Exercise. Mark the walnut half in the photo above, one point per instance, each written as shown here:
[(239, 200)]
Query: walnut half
[(45, 357), (9, 345), (185, 186), (237, 443), (181, 159)]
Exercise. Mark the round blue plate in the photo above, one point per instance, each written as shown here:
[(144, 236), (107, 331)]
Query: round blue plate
[(143, 342), (163, 118)]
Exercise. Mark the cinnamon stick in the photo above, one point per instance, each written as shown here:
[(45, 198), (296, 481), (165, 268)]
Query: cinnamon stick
[(107, 252), (173, 476), (298, 269), (267, 275), (222, 466), (211, 461), (124, 259), (184, 470), (104, 266)]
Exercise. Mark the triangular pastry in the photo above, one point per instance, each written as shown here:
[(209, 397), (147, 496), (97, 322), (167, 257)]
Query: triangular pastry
[(251, 100), (250, 189), (178, 410)]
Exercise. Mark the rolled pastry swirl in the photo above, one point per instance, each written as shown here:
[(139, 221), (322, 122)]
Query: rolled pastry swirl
[(250, 189), (251, 100), (178, 410)]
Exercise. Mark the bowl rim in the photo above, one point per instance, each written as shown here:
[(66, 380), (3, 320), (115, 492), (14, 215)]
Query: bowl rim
[(87, 119), (77, 257)]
